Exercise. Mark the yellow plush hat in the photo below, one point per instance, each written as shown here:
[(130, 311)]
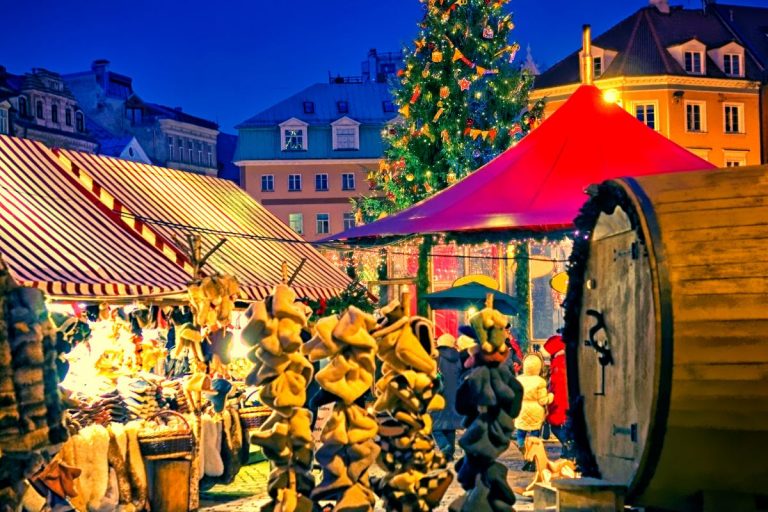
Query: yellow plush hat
[(322, 345), (446, 340), (465, 342), (353, 328)]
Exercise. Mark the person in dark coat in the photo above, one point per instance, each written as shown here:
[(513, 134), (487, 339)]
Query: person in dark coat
[(446, 422)]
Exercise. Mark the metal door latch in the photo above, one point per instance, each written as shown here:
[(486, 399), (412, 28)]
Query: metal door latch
[(605, 357)]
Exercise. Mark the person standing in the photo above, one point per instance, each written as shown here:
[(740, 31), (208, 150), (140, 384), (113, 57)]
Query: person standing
[(445, 422), (535, 398), (557, 413)]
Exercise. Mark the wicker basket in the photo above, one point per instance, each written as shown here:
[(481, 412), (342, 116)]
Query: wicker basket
[(253, 416), (157, 445)]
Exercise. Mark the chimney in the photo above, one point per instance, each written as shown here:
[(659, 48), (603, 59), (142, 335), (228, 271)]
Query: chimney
[(661, 5), (587, 67)]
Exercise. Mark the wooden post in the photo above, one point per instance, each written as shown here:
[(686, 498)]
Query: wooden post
[(284, 272), (489, 300), (405, 300)]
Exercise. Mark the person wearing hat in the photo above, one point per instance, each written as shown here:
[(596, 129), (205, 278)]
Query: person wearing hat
[(515, 358), (557, 413), (535, 398), (446, 422)]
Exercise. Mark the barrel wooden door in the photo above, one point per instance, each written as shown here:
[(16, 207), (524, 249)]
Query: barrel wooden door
[(617, 347)]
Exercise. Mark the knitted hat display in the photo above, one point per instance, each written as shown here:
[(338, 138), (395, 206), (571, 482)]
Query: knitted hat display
[(348, 448), (281, 374), (417, 477), (490, 398), (213, 300)]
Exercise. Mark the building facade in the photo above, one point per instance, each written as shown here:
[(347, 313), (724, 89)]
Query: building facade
[(306, 157), (39, 105), (168, 136), (685, 73)]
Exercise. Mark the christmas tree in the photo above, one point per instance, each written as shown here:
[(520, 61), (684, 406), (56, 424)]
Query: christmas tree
[(462, 100)]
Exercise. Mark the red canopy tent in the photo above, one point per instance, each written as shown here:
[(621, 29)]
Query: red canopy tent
[(539, 185)]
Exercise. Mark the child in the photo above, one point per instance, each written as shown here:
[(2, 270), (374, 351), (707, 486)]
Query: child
[(535, 397), (558, 386)]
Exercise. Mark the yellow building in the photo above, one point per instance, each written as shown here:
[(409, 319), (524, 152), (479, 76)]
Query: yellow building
[(685, 73)]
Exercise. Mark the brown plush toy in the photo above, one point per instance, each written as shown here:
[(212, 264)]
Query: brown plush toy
[(273, 332), (416, 477), (349, 448)]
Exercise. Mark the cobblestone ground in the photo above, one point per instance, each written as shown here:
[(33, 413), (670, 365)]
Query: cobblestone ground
[(248, 491)]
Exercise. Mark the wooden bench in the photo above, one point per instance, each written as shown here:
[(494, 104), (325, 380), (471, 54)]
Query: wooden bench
[(579, 495)]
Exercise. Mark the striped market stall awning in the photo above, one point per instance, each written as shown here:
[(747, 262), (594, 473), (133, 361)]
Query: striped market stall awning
[(54, 237), (173, 203)]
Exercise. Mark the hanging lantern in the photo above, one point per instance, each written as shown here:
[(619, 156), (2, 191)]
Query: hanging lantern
[(409, 177), (451, 177)]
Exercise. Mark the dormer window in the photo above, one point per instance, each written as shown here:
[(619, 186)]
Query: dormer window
[(346, 134), (342, 107), (293, 135), (23, 111), (387, 106), (309, 107), (732, 64), (597, 66), (693, 63)]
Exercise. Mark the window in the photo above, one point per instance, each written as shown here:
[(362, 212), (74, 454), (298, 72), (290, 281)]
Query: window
[(23, 106), (79, 122), (3, 120), (309, 107), (597, 66), (346, 138), (267, 183), (693, 62), (190, 150), (732, 64), (210, 155), (646, 114), (39, 109), (294, 140), (199, 152), (323, 223), (321, 182), (294, 183), (349, 221), (387, 106), (735, 158), (68, 117), (694, 117), (169, 141), (296, 222), (347, 181), (342, 107), (733, 163), (55, 113), (733, 118)]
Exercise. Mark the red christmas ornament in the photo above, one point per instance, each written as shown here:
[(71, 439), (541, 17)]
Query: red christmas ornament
[(464, 84), (416, 94)]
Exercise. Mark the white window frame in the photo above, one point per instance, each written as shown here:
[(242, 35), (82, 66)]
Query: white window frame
[(702, 116), (345, 124), (654, 104), (343, 181), (702, 67), (298, 176), (318, 221), (595, 60), (294, 124), (348, 216), (270, 178), (731, 56), (734, 158), (296, 223), (319, 177), (740, 113)]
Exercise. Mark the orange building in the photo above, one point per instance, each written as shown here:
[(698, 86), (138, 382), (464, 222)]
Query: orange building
[(686, 73)]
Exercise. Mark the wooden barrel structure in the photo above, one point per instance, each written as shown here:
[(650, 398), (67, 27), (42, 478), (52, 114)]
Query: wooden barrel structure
[(667, 333)]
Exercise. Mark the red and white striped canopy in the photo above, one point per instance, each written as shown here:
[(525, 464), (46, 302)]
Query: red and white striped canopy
[(168, 200), (54, 237)]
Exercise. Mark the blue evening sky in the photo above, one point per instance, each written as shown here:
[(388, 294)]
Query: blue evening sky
[(226, 60)]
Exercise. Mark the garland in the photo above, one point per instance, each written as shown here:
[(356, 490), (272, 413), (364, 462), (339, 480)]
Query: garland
[(422, 275), (522, 291)]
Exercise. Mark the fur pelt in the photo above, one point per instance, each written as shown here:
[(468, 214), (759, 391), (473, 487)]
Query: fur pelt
[(90, 452), (137, 473), (117, 463), (211, 445), (112, 497)]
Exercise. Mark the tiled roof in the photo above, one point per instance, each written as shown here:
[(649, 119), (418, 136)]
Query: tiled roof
[(365, 101), (750, 24), (641, 41), (32, 125), (171, 113)]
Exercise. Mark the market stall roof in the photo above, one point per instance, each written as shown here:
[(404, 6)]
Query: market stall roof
[(171, 203), (539, 184), (54, 238), (471, 295)]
